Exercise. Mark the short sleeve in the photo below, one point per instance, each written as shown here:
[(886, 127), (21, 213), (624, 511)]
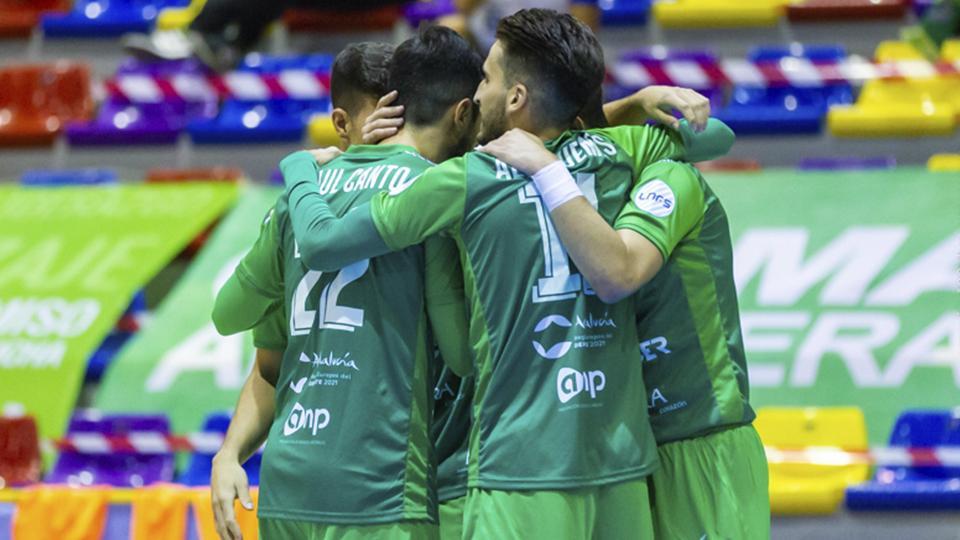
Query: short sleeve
[(665, 205), (260, 270), (426, 205), (271, 333)]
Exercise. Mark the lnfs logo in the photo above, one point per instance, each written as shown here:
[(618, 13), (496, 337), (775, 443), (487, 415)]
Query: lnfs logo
[(571, 383), (301, 418)]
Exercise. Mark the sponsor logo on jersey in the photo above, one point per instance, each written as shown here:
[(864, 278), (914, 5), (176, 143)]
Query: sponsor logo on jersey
[(302, 418), (591, 322), (571, 383), (297, 387), (558, 350), (656, 198), (330, 360), (651, 347)]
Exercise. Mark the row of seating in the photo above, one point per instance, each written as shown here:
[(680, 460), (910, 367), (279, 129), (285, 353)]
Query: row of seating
[(101, 18), (797, 486)]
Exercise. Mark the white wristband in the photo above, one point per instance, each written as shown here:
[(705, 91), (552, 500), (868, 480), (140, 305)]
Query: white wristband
[(556, 185)]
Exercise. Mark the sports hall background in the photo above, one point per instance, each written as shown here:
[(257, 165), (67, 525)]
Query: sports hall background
[(129, 189)]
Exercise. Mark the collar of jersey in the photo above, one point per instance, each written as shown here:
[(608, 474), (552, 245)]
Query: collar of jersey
[(377, 149)]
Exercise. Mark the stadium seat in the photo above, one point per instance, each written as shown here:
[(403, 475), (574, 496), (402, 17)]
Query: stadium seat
[(68, 177), (159, 512), (624, 12), (179, 18), (203, 512), (893, 51), (122, 122), (198, 469), (798, 107), (122, 469), (910, 107), (315, 20), (944, 163), (19, 451), (207, 174), (729, 165), (101, 358), (950, 50), (106, 18), (37, 100), (718, 13), (915, 488), (812, 488), (422, 11), (61, 512), (846, 10), (321, 131), (19, 17)]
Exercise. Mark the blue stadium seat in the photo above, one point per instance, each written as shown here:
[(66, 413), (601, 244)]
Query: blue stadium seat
[(915, 488), (68, 177), (198, 469), (785, 109), (106, 18), (624, 12), (270, 63)]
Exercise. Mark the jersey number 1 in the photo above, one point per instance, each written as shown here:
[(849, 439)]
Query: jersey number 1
[(332, 316)]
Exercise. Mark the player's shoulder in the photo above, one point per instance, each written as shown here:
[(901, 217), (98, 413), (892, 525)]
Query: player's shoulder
[(663, 183)]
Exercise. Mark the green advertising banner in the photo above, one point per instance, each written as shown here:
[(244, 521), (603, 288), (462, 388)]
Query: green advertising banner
[(71, 258), (178, 364), (848, 288)]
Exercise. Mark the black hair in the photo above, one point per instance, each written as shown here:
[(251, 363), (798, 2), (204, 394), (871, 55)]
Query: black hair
[(432, 71), (556, 57), (592, 114), (360, 72)]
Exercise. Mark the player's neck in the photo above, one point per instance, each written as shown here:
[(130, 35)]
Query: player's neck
[(428, 140)]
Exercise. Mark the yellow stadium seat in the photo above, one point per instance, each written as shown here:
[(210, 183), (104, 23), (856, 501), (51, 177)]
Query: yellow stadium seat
[(718, 13), (950, 50), (944, 163), (892, 51), (179, 18), (812, 488), (909, 107), (321, 131)]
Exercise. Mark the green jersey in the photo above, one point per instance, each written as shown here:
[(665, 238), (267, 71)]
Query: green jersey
[(350, 439), (558, 401), (452, 397), (687, 316)]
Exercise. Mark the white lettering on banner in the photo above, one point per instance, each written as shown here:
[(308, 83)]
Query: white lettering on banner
[(44, 317), (935, 270), (851, 262), (205, 350), (830, 334), (766, 374), (300, 418), (571, 383), (925, 350), (25, 353)]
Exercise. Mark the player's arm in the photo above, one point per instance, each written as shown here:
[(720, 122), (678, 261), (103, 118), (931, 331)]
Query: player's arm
[(391, 221), (615, 263), (248, 430), (255, 288), (654, 103), (446, 306)]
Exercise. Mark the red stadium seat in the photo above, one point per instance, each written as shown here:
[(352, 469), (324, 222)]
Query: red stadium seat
[(729, 165), (19, 451), (19, 17), (299, 20), (846, 10), (37, 100), (205, 174)]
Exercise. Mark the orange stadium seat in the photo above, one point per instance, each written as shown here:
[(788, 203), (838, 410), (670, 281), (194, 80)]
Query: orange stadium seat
[(203, 511), (846, 10), (37, 100), (718, 13), (891, 108), (19, 17), (206, 174), (57, 512), (812, 488)]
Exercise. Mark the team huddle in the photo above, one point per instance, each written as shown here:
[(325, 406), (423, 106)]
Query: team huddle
[(537, 337)]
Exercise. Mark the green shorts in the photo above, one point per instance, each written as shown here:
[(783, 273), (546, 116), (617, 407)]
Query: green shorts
[(612, 512), (288, 529), (712, 487), (451, 519)]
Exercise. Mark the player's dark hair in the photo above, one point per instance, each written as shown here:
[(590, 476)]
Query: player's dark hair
[(556, 57), (360, 72), (432, 71), (592, 114)]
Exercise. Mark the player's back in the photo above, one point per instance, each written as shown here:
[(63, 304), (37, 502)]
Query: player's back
[(560, 398), (350, 443)]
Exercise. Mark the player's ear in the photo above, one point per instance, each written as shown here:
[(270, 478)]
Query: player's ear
[(463, 112), (579, 124), (341, 124), (518, 97)]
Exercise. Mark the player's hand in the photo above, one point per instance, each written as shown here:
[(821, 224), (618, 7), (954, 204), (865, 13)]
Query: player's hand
[(657, 102), (521, 150), (384, 122), (228, 482), (325, 155)]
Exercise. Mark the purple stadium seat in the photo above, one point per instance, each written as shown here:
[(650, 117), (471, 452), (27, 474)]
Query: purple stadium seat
[(427, 10), (847, 163), (122, 122), (126, 469), (106, 18)]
